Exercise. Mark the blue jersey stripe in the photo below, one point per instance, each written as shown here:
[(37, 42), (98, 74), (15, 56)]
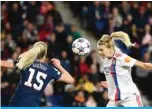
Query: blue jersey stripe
[(114, 75)]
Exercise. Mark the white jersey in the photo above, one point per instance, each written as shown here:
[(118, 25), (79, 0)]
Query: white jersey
[(118, 75)]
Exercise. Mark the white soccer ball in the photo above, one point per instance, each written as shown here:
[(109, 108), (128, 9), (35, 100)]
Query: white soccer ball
[(81, 46)]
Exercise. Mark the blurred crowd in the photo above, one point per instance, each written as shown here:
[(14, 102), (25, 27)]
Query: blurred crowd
[(24, 23), (105, 17)]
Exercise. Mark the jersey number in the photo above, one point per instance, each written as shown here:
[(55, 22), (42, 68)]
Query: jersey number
[(38, 76)]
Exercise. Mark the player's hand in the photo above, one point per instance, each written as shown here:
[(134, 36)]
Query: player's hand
[(56, 62), (104, 84)]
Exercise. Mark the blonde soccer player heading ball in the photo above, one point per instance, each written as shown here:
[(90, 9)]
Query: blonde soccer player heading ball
[(122, 91)]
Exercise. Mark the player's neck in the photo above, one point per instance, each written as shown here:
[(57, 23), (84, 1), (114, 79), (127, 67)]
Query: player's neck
[(42, 60)]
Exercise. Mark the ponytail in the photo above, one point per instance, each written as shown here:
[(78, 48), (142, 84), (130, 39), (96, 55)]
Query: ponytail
[(28, 57), (122, 36)]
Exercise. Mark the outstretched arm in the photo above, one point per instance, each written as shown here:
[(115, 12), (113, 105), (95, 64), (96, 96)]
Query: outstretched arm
[(7, 64), (146, 66), (130, 62), (66, 77)]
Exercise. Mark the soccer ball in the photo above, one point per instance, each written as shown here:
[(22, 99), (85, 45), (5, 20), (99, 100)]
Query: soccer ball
[(81, 46)]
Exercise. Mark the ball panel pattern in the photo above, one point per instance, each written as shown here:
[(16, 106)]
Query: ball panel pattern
[(81, 46)]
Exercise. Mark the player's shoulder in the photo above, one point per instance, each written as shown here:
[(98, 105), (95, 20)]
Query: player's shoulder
[(118, 54), (49, 66), (121, 56)]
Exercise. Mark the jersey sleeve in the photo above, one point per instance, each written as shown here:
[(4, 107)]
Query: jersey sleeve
[(126, 60), (54, 73)]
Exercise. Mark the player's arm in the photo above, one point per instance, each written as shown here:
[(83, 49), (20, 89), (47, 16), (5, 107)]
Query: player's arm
[(65, 76), (129, 61), (7, 64), (146, 66)]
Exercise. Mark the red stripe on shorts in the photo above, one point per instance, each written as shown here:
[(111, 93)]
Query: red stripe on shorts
[(116, 95), (138, 100)]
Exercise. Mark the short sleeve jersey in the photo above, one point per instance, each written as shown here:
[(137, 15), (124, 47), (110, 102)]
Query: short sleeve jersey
[(118, 75), (32, 84)]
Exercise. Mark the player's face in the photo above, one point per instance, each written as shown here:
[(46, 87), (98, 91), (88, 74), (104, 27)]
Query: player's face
[(104, 51)]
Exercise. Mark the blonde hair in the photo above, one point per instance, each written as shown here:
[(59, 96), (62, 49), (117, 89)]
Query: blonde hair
[(38, 51), (107, 40)]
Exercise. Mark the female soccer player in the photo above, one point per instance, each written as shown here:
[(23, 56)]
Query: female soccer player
[(35, 75), (117, 68)]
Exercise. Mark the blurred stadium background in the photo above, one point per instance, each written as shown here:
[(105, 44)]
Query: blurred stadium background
[(58, 24)]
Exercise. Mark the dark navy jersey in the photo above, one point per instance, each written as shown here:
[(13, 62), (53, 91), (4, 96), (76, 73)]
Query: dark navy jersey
[(34, 80)]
